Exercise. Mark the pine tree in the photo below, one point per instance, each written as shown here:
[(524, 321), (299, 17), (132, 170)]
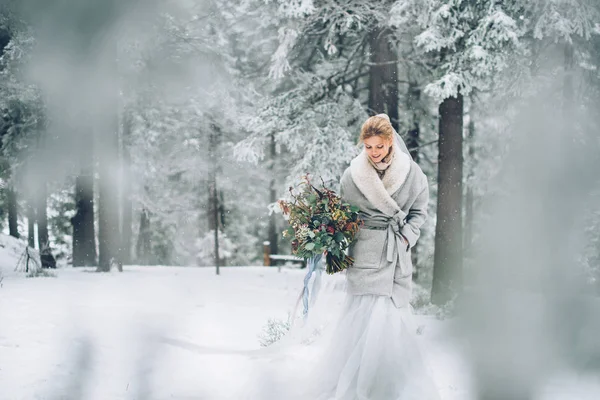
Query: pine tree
[(466, 44)]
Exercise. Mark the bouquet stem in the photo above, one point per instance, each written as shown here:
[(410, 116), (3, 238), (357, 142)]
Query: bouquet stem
[(336, 264)]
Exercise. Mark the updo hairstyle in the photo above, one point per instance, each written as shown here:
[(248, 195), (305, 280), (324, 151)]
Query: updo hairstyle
[(377, 125)]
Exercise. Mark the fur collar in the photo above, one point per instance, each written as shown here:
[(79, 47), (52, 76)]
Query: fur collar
[(379, 191)]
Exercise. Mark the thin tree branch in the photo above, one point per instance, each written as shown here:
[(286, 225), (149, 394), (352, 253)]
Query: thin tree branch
[(423, 145), (359, 47), (384, 63)]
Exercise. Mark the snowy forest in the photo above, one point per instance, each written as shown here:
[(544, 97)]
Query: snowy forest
[(162, 133), (135, 137)]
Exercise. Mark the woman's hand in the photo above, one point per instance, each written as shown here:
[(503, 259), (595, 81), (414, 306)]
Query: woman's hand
[(404, 240)]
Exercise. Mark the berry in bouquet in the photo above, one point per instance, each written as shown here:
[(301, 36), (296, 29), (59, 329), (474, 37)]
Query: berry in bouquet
[(320, 223)]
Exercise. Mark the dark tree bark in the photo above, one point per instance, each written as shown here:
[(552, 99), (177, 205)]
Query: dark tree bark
[(213, 193), (13, 218), (143, 247), (383, 76), (84, 233), (447, 268), (413, 137), (47, 259), (30, 224), (127, 204), (412, 143), (222, 211), (273, 235), (42, 217)]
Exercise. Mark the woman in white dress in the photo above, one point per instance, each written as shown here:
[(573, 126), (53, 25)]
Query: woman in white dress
[(370, 351)]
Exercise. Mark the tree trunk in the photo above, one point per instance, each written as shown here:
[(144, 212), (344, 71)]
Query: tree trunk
[(216, 231), (127, 203), (412, 143), (108, 207), (47, 259), (222, 211), (13, 219), (42, 217), (30, 224), (568, 88), (273, 234), (213, 193), (469, 195), (222, 221), (447, 268), (107, 134), (84, 231), (413, 137), (143, 247), (383, 76)]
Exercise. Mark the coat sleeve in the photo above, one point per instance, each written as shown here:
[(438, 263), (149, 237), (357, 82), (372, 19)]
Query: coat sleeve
[(417, 215)]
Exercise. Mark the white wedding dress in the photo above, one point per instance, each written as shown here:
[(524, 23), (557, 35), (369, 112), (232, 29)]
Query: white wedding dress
[(349, 348)]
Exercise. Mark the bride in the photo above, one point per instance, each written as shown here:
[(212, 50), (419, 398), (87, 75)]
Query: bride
[(369, 351), (392, 192)]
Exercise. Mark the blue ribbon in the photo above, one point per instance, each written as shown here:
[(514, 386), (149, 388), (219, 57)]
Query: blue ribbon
[(312, 265)]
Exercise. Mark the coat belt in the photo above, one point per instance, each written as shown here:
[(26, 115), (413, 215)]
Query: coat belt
[(393, 242)]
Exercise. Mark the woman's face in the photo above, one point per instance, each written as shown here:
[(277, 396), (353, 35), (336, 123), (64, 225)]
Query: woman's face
[(377, 147)]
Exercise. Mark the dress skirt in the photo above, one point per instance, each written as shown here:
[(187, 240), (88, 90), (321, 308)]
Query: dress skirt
[(368, 352)]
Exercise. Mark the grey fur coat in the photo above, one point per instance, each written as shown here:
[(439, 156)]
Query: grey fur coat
[(394, 208)]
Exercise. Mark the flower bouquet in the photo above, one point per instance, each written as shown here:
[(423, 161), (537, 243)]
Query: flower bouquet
[(320, 223)]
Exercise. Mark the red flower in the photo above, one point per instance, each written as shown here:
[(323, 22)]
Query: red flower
[(330, 230)]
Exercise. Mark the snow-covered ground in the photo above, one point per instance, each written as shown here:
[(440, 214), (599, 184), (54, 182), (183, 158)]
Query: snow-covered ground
[(163, 332)]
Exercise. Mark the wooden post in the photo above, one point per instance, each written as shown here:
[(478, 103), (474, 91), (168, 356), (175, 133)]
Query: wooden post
[(267, 253)]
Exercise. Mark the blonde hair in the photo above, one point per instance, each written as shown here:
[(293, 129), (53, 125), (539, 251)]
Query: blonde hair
[(377, 125)]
